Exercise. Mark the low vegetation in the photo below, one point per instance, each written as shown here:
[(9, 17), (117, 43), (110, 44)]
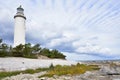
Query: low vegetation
[(28, 51), (72, 70), (29, 71), (54, 70), (52, 54)]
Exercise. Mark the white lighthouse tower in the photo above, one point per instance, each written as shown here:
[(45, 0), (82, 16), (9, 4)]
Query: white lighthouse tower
[(19, 28)]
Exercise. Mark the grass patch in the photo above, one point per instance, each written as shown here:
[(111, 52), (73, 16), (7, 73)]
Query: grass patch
[(30, 71), (7, 74), (54, 70), (72, 70)]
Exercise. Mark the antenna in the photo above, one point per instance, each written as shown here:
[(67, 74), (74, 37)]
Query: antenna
[(20, 6)]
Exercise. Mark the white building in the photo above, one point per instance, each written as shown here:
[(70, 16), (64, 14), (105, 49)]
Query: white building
[(19, 28)]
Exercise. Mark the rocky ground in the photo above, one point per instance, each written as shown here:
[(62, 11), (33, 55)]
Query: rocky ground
[(109, 70), (13, 64)]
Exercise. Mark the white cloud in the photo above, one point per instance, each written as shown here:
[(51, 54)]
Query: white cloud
[(93, 49), (79, 57), (88, 26)]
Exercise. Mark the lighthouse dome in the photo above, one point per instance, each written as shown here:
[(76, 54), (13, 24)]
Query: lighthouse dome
[(20, 12)]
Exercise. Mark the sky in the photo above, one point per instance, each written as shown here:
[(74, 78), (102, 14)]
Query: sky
[(80, 29)]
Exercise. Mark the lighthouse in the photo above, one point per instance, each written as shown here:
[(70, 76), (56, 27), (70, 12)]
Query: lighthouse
[(19, 27)]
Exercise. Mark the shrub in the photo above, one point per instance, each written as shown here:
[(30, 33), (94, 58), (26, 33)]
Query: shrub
[(72, 70), (51, 66), (31, 56), (28, 51), (2, 54), (52, 54)]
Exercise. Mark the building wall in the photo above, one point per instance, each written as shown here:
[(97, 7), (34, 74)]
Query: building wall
[(19, 31)]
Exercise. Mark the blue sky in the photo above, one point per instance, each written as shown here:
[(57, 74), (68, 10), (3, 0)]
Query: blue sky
[(81, 29)]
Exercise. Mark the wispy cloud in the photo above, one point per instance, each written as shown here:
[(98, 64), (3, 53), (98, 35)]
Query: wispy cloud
[(68, 25)]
